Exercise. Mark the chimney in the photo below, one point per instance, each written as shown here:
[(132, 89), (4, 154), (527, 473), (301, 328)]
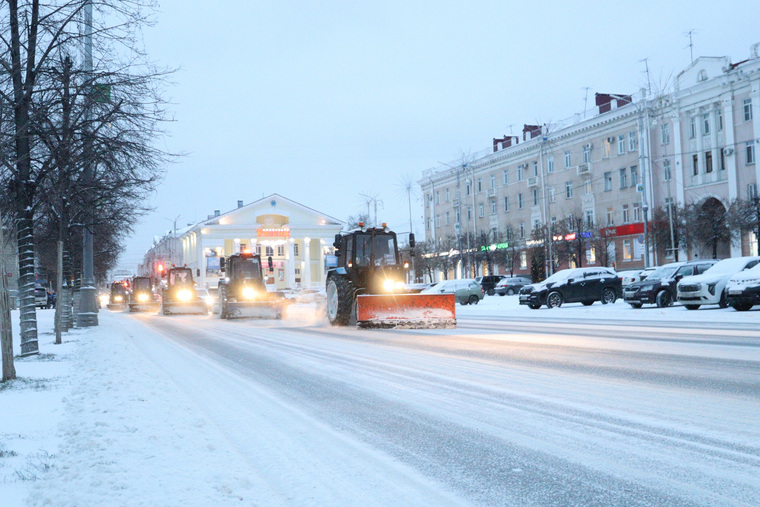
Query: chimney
[(240, 204), (604, 101), (216, 212), (533, 130)]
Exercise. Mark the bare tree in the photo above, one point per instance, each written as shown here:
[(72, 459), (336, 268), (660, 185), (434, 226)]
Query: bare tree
[(707, 224), (744, 216)]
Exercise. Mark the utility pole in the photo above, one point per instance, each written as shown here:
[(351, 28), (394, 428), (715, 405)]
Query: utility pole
[(88, 312)]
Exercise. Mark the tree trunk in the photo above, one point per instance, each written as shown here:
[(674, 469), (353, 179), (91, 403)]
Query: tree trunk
[(28, 317), (6, 332)]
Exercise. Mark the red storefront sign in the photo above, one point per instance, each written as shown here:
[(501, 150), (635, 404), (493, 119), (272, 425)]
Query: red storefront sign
[(625, 230)]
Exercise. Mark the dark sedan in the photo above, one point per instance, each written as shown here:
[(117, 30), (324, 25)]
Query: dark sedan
[(579, 285)]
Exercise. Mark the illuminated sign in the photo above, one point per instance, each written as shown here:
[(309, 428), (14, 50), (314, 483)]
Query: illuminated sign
[(495, 246), (272, 233)]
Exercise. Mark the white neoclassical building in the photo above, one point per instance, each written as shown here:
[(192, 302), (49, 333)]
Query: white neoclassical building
[(296, 237)]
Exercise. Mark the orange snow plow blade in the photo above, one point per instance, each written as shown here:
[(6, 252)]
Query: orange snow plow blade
[(410, 311)]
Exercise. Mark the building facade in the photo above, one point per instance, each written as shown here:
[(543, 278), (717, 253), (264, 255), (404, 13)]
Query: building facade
[(296, 237), (603, 172)]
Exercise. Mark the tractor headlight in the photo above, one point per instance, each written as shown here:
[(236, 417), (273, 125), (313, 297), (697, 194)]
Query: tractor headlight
[(392, 285), (184, 294), (118, 299), (142, 298), (104, 299), (249, 293)]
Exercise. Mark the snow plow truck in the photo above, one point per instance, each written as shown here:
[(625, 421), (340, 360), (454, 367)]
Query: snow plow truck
[(242, 292), (141, 297), (179, 295), (117, 300), (366, 286)]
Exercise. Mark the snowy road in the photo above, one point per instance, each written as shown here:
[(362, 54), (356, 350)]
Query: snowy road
[(500, 411)]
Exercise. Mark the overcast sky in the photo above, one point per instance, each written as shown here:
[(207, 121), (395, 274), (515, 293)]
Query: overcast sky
[(323, 101)]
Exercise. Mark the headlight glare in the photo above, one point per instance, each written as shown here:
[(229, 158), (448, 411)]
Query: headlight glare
[(249, 293), (388, 285), (142, 298), (184, 294)]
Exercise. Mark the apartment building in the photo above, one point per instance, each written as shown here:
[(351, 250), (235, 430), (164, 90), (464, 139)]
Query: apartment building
[(631, 154)]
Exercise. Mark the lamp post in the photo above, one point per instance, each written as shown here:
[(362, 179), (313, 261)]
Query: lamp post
[(645, 208)]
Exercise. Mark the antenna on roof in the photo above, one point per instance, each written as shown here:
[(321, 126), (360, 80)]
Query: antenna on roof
[(691, 42)]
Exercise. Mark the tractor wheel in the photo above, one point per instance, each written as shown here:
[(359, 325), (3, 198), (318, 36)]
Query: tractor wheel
[(224, 312), (664, 299), (340, 300), (554, 300)]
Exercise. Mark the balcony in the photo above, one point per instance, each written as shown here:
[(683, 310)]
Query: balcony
[(584, 168), (533, 181), (492, 193)]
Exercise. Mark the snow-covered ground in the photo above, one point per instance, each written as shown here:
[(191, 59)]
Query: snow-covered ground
[(103, 420)]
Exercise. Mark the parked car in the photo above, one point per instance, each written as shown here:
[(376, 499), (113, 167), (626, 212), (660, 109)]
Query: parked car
[(466, 291), (635, 275), (488, 283), (415, 288), (510, 285), (709, 288), (207, 298), (578, 285), (40, 297), (659, 287), (743, 289)]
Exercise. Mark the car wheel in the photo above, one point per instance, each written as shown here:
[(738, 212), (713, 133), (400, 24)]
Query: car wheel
[(635, 305), (510, 292), (554, 300), (474, 299), (664, 299), (608, 296), (741, 307), (502, 294), (723, 303), (534, 306), (692, 307), (588, 303), (491, 292)]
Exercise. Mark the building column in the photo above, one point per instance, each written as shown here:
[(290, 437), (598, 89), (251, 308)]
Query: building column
[(291, 263), (755, 96), (306, 275), (700, 146), (200, 257), (714, 148), (321, 269)]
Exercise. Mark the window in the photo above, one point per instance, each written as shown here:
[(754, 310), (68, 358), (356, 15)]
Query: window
[(481, 211), (693, 128), (751, 192), (568, 189), (722, 161), (720, 120), (550, 165), (627, 254), (506, 176), (747, 109), (493, 207), (637, 212), (480, 184), (535, 168), (632, 140), (523, 260), (610, 216), (666, 170), (448, 222), (429, 199), (552, 195), (535, 197), (591, 255), (270, 251), (520, 201), (493, 181), (589, 218), (705, 124), (469, 213), (467, 189), (695, 164), (621, 145), (587, 186), (458, 215), (567, 159), (708, 162), (623, 178), (536, 223), (428, 223), (520, 174), (607, 181), (437, 197), (626, 217), (607, 147), (665, 133), (438, 220), (522, 230), (587, 154), (749, 149), (295, 248), (506, 204), (447, 195), (280, 250), (634, 175)]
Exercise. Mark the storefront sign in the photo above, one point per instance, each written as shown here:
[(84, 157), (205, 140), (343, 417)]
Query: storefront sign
[(272, 233), (495, 246)]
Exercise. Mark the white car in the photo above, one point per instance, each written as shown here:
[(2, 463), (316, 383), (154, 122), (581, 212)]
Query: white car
[(709, 288), (743, 289), (635, 275)]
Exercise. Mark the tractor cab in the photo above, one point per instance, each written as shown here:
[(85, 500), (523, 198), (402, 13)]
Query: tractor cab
[(371, 260), (242, 292), (180, 296), (141, 297), (118, 298)]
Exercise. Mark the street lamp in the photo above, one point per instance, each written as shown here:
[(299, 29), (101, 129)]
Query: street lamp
[(645, 207)]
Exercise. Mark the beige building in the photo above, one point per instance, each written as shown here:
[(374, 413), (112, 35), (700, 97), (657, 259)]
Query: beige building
[(632, 153), (296, 237)]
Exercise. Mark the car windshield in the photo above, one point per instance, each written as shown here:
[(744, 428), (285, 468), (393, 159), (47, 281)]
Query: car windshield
[(248, 270), (662, 273), (141, 284), (728, 266), (181, 277), (380, 247)]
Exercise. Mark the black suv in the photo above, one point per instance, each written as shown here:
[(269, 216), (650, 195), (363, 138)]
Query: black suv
[(488, 283), (659, 288), (579, 285)]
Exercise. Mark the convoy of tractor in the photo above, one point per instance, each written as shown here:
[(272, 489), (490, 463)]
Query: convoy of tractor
[(365, 287)]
